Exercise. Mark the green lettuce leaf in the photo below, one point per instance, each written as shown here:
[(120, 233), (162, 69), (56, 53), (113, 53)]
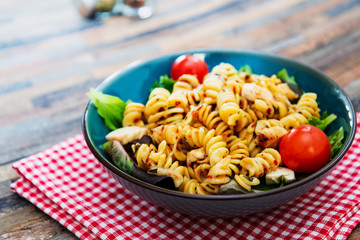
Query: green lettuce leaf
[(323, 122), (283, 74), (109, 107), (336, 141), (282, 181), (164, 82), (246, 68)]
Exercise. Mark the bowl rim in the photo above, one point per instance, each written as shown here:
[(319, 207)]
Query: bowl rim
[(321, 172)]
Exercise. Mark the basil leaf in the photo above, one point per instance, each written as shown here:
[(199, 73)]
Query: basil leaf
[(335, 141), (109, 107), (323, 122), (164, 82), (246, 68), (283, 75), (282, 181)]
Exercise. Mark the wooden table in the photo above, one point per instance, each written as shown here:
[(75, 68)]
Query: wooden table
[(50, 56)]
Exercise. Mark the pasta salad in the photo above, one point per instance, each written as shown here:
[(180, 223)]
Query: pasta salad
[(215, 135)]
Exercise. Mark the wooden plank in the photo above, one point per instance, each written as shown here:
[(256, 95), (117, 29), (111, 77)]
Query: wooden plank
[(7, 173), (355, 234), (345, 70), (19, 219), (50, 57), (303, 18), (326, 32), (30, 223)]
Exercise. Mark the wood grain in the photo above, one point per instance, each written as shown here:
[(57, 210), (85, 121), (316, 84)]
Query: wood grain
[(50, 57)]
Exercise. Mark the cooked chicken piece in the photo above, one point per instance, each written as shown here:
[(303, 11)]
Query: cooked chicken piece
[(275, 176), (270, 137), (251, 92), (127, 134)]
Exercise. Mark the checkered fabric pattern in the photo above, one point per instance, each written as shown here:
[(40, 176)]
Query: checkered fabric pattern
[(68, 184)]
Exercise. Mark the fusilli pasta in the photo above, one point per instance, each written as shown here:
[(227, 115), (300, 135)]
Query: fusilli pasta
[(227, 128)]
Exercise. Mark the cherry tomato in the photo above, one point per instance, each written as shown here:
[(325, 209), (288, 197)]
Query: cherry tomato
[(189, 64), (305, 149)]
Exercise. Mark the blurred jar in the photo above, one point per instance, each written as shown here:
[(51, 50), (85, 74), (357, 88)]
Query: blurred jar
[(105, 8), (138, 8)]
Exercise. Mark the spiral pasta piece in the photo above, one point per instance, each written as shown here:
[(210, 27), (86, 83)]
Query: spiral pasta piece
[(243, 103), (147, 156), (175, 109), (247, 115), (201, 171), (229, 110), (198, 137), (264, 162), (173, 115), (252, 114), (293, 120), (244, 120), (271, 156), (177, 172), (226, 71), (235, 166), (193, 97), (178, 153), (169, 133), (238, 148), (267, 82), (185, 83), (249, 135), (212, 120), (194, 187), (195, 158), (254, 166), (216, 149), (280, 109), (234, 85), (189, 186), (267, 109), (263, 109), (133, 115), (178, 100), (220, 173), (212, 85), (156, 105), (308, 106), (246, 182)]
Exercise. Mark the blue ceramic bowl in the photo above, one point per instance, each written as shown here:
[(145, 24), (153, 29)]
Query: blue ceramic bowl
[(134, 83)]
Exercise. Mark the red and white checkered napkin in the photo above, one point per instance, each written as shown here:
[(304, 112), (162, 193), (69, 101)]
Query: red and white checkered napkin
[(68, 184)]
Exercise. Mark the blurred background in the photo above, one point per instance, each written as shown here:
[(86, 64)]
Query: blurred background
[(50, 54), (53, 52)]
